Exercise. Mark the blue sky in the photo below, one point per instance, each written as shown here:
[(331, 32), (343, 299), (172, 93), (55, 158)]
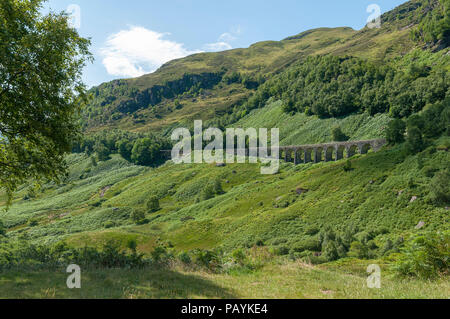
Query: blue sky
[(134, 37)]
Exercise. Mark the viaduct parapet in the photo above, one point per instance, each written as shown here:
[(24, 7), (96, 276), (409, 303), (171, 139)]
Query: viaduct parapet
[(302, 154)]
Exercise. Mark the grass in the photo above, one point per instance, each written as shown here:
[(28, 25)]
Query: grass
[(282, 280)]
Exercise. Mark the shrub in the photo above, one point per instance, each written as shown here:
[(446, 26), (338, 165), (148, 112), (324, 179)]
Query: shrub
[(184, 258), (358, 250), (218, 190), (388, 247), (338, 135), (238, 256), (142, 221), (313, 258), (348, 166), (426, 256), (109, 224), (208, 192), (429, 171), (259, 242), (33, 222), (178, 104), (97, 203), (132, 245), (206, 258), (312, 244), (281, 250), (440, 187), (137, 215), (153, 204), (330, 252), (60, 255), (111, 254), (93, 161), (159, 255), (312, 230), (2, 228)]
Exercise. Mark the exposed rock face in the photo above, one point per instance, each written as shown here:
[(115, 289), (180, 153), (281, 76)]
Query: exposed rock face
[(420, 225), (155, 94), (300, 191)]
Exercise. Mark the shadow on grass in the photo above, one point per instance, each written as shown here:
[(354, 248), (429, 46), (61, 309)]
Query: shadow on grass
[(111, 284)]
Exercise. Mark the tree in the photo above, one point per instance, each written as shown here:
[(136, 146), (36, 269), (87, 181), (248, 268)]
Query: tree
[(208, 192), (125, 148), (387, 247), (395, 132), (137, 215), (2, 228), (338, 135), (145, 152), (440, 187), (416, 120), (102, 151), (41, 90), (153, 204), (330, 251), (132, 245), (218, 190), (177, 104), (414, 140), (94, 161)]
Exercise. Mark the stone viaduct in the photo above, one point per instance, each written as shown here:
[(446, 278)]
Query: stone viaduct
[(328, 151), (335, 151)]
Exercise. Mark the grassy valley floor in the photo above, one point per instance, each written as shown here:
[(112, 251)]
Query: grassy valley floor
[(280, 279)]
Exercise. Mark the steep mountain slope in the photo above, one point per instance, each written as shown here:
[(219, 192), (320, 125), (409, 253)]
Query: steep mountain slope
[(301, 129), (206, 84), (209, 85), (285, 211)]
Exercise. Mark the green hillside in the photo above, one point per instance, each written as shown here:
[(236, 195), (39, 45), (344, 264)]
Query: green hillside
[(206, 227), (375, 195), (301, 129), (208, 85)]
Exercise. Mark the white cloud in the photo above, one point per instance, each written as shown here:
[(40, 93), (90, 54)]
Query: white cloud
[(218, 46), (227, 37), (137, 51), (224, 41)]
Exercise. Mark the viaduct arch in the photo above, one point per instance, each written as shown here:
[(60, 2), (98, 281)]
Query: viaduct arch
[(328, 151)]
